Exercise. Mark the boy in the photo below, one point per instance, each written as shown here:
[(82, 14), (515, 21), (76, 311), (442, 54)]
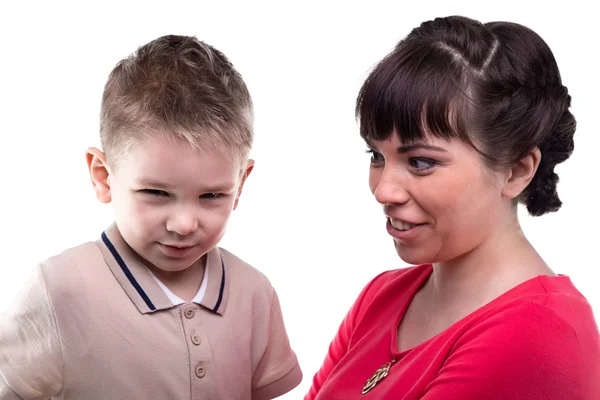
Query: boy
[(154, 309)]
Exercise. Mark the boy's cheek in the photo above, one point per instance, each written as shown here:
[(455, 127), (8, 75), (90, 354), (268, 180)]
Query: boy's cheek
[(139, 214), (147, 215)]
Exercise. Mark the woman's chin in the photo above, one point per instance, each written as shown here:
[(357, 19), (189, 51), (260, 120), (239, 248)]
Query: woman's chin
[(413, 256)]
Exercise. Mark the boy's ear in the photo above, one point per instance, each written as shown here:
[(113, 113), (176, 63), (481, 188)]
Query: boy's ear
[(246, 172), (521, 174), (99, 174)]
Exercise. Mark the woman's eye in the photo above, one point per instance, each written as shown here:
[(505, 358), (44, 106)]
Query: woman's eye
[(155, 192), (421, 164), (376, 158)]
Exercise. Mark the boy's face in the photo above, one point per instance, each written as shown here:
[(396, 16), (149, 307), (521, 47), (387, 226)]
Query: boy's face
[(171, 202)]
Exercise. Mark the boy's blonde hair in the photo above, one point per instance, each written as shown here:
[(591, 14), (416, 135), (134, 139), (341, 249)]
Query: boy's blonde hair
[(180, 87)]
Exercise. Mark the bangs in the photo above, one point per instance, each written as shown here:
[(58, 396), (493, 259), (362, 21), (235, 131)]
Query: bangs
[(417, 91)]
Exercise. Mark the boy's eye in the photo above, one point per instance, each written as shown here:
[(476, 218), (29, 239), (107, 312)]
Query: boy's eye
[(155, 192), (421, 164), (211, 196), (376, 158)]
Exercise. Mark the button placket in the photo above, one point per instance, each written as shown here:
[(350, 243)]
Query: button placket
[(198, 345)]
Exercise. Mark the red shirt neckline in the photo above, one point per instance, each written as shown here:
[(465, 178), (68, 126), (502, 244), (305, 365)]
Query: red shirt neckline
[(425, 272)]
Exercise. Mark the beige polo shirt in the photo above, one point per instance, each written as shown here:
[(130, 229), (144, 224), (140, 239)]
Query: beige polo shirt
[(93, 323)]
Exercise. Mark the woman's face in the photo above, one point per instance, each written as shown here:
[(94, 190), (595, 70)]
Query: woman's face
[(439, 199)]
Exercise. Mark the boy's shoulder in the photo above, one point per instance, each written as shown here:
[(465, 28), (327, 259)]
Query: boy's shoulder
[(73, 269), (78, 257), (75, 253), (242, 274), (72, 260)]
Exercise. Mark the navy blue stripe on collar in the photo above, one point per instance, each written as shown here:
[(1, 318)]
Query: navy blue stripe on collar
[(128, 273), (222, 287)]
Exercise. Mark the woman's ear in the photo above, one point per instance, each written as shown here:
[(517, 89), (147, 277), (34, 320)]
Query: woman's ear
[(520, 175)]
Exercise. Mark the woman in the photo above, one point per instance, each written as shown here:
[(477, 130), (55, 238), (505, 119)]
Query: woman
[(464, 120)]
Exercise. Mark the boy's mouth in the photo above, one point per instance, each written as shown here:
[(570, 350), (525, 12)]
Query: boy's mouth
[(176, 250), (178, 246)]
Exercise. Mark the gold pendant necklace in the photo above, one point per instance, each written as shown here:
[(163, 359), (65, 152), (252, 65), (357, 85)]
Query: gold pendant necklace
[(377, 377)]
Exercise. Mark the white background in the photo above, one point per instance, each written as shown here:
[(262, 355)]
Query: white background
[(306, 219)]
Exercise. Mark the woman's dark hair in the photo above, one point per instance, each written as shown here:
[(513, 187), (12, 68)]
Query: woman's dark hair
[(496, 86)]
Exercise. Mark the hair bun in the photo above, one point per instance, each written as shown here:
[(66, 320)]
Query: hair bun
[(541, 194)]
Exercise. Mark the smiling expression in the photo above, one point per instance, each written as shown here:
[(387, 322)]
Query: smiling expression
[(439, 199)]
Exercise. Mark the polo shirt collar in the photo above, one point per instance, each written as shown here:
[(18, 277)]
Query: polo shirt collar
[(142, 288), (175, 299)]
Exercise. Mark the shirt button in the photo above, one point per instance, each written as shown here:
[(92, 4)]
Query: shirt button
[(189, 313), (200, 371), (196, 339)]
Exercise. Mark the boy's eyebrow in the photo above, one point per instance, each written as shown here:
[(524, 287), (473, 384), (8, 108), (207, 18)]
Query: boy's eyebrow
[(225, 187), (221, 187), (151, 183)]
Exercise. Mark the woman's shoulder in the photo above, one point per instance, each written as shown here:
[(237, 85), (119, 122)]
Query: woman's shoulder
[(549, 298), (545, 318), (566, 302)]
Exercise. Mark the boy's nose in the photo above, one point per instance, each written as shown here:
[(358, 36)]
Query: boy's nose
[(183, 223)]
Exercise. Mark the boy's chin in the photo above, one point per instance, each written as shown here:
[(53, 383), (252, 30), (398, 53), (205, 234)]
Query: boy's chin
[(162, 264)]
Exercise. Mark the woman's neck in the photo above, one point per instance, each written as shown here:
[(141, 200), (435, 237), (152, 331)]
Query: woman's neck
[(501, 262)]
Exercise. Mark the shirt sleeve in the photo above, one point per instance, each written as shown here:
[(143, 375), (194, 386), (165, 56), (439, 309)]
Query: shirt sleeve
[(339, 344), (527, 352), (278, 371), (30, 352)]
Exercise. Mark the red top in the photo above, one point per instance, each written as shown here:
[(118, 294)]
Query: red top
[(539, 340)]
